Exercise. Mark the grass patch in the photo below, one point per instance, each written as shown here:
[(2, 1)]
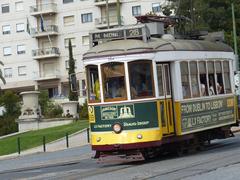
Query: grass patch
[(35, 138)]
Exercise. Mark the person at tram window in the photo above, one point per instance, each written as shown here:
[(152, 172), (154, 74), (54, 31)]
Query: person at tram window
[(195, 90), (138, 87), (211, 87), (96, 90), (117, 87), (219, 84), (203, 89)]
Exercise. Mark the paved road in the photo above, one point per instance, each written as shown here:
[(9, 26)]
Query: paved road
[(221, 160)]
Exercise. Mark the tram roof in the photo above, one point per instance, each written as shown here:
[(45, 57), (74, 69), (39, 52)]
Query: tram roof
[(134, 46)]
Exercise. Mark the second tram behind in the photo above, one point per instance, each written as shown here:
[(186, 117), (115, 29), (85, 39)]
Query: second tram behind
[(148, 94)]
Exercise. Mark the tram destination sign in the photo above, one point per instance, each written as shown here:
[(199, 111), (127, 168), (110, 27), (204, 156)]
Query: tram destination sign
[(206, 114), (117, 34)]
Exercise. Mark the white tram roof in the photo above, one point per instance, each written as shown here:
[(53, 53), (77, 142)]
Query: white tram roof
[(135, 46)]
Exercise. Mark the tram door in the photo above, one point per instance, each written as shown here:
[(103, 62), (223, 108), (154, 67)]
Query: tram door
[(165, 110)]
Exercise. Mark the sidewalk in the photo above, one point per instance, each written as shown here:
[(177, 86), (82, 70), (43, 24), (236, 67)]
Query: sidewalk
[(75, 140)]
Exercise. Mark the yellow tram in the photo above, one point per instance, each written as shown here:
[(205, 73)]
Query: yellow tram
[(149, 93)]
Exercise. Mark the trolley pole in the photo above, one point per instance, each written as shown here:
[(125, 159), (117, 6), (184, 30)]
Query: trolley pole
[(107, 14), (235, 48), (119, 13), (235, 38)]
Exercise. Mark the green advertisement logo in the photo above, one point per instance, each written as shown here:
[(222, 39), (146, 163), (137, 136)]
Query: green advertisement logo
[(118, 112)]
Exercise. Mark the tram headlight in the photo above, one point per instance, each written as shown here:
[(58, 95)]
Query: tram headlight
[(117, 128), (139, 136)]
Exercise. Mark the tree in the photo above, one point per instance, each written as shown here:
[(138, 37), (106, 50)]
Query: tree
[(1, 74), (11, 102), (212, 15), (73, 96)]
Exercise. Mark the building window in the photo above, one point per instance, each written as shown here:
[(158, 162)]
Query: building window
[(53, 92), (67, 1), (22, 70), (7, 72), (21, 49), (156, 7), (68, 20), (20, 27), (19, 6), (7, 51), (86, 17), (6, 29), (5, 8), (85, 40), (66, 42), (136, 10), (84, 92)]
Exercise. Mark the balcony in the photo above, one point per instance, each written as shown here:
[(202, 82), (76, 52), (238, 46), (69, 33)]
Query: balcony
[(51, 52), (45, 31), (102, 22), (50, 8), (54, 75), (103, 2)]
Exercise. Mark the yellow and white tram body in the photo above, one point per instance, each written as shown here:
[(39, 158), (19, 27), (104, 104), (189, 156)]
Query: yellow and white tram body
[(158, 92)]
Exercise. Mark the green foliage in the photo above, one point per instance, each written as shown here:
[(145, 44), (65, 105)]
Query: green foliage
[(54, 111), (11, 102), (48, 108), (43, 101), (83, 113), (8, 125), (209, 14), (34, 138), (73, 96)]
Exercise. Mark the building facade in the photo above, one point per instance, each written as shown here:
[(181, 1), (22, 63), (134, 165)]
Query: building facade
[(35, 34)]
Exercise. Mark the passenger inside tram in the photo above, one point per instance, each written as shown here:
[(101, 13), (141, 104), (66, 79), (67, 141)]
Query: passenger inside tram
[(140, 80), (116, 87), (203, 85), (211, 86)]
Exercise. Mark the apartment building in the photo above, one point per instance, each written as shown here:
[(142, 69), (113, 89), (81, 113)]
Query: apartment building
[(34, 38)]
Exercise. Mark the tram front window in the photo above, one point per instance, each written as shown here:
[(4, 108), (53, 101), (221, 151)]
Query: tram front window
[(113, 78), (93, 84), (141, 80)]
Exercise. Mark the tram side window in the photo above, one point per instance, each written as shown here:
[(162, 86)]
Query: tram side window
[(141, 79), (93, 84), (114, 86), (219, 75), (185, 80), (211, 78), (203, 78), (194, 79), (227, 77)]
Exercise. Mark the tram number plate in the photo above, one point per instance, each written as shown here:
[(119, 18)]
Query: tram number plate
[(134, 32)]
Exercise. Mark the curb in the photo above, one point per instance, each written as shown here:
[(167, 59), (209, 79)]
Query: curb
[(16, 155)]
